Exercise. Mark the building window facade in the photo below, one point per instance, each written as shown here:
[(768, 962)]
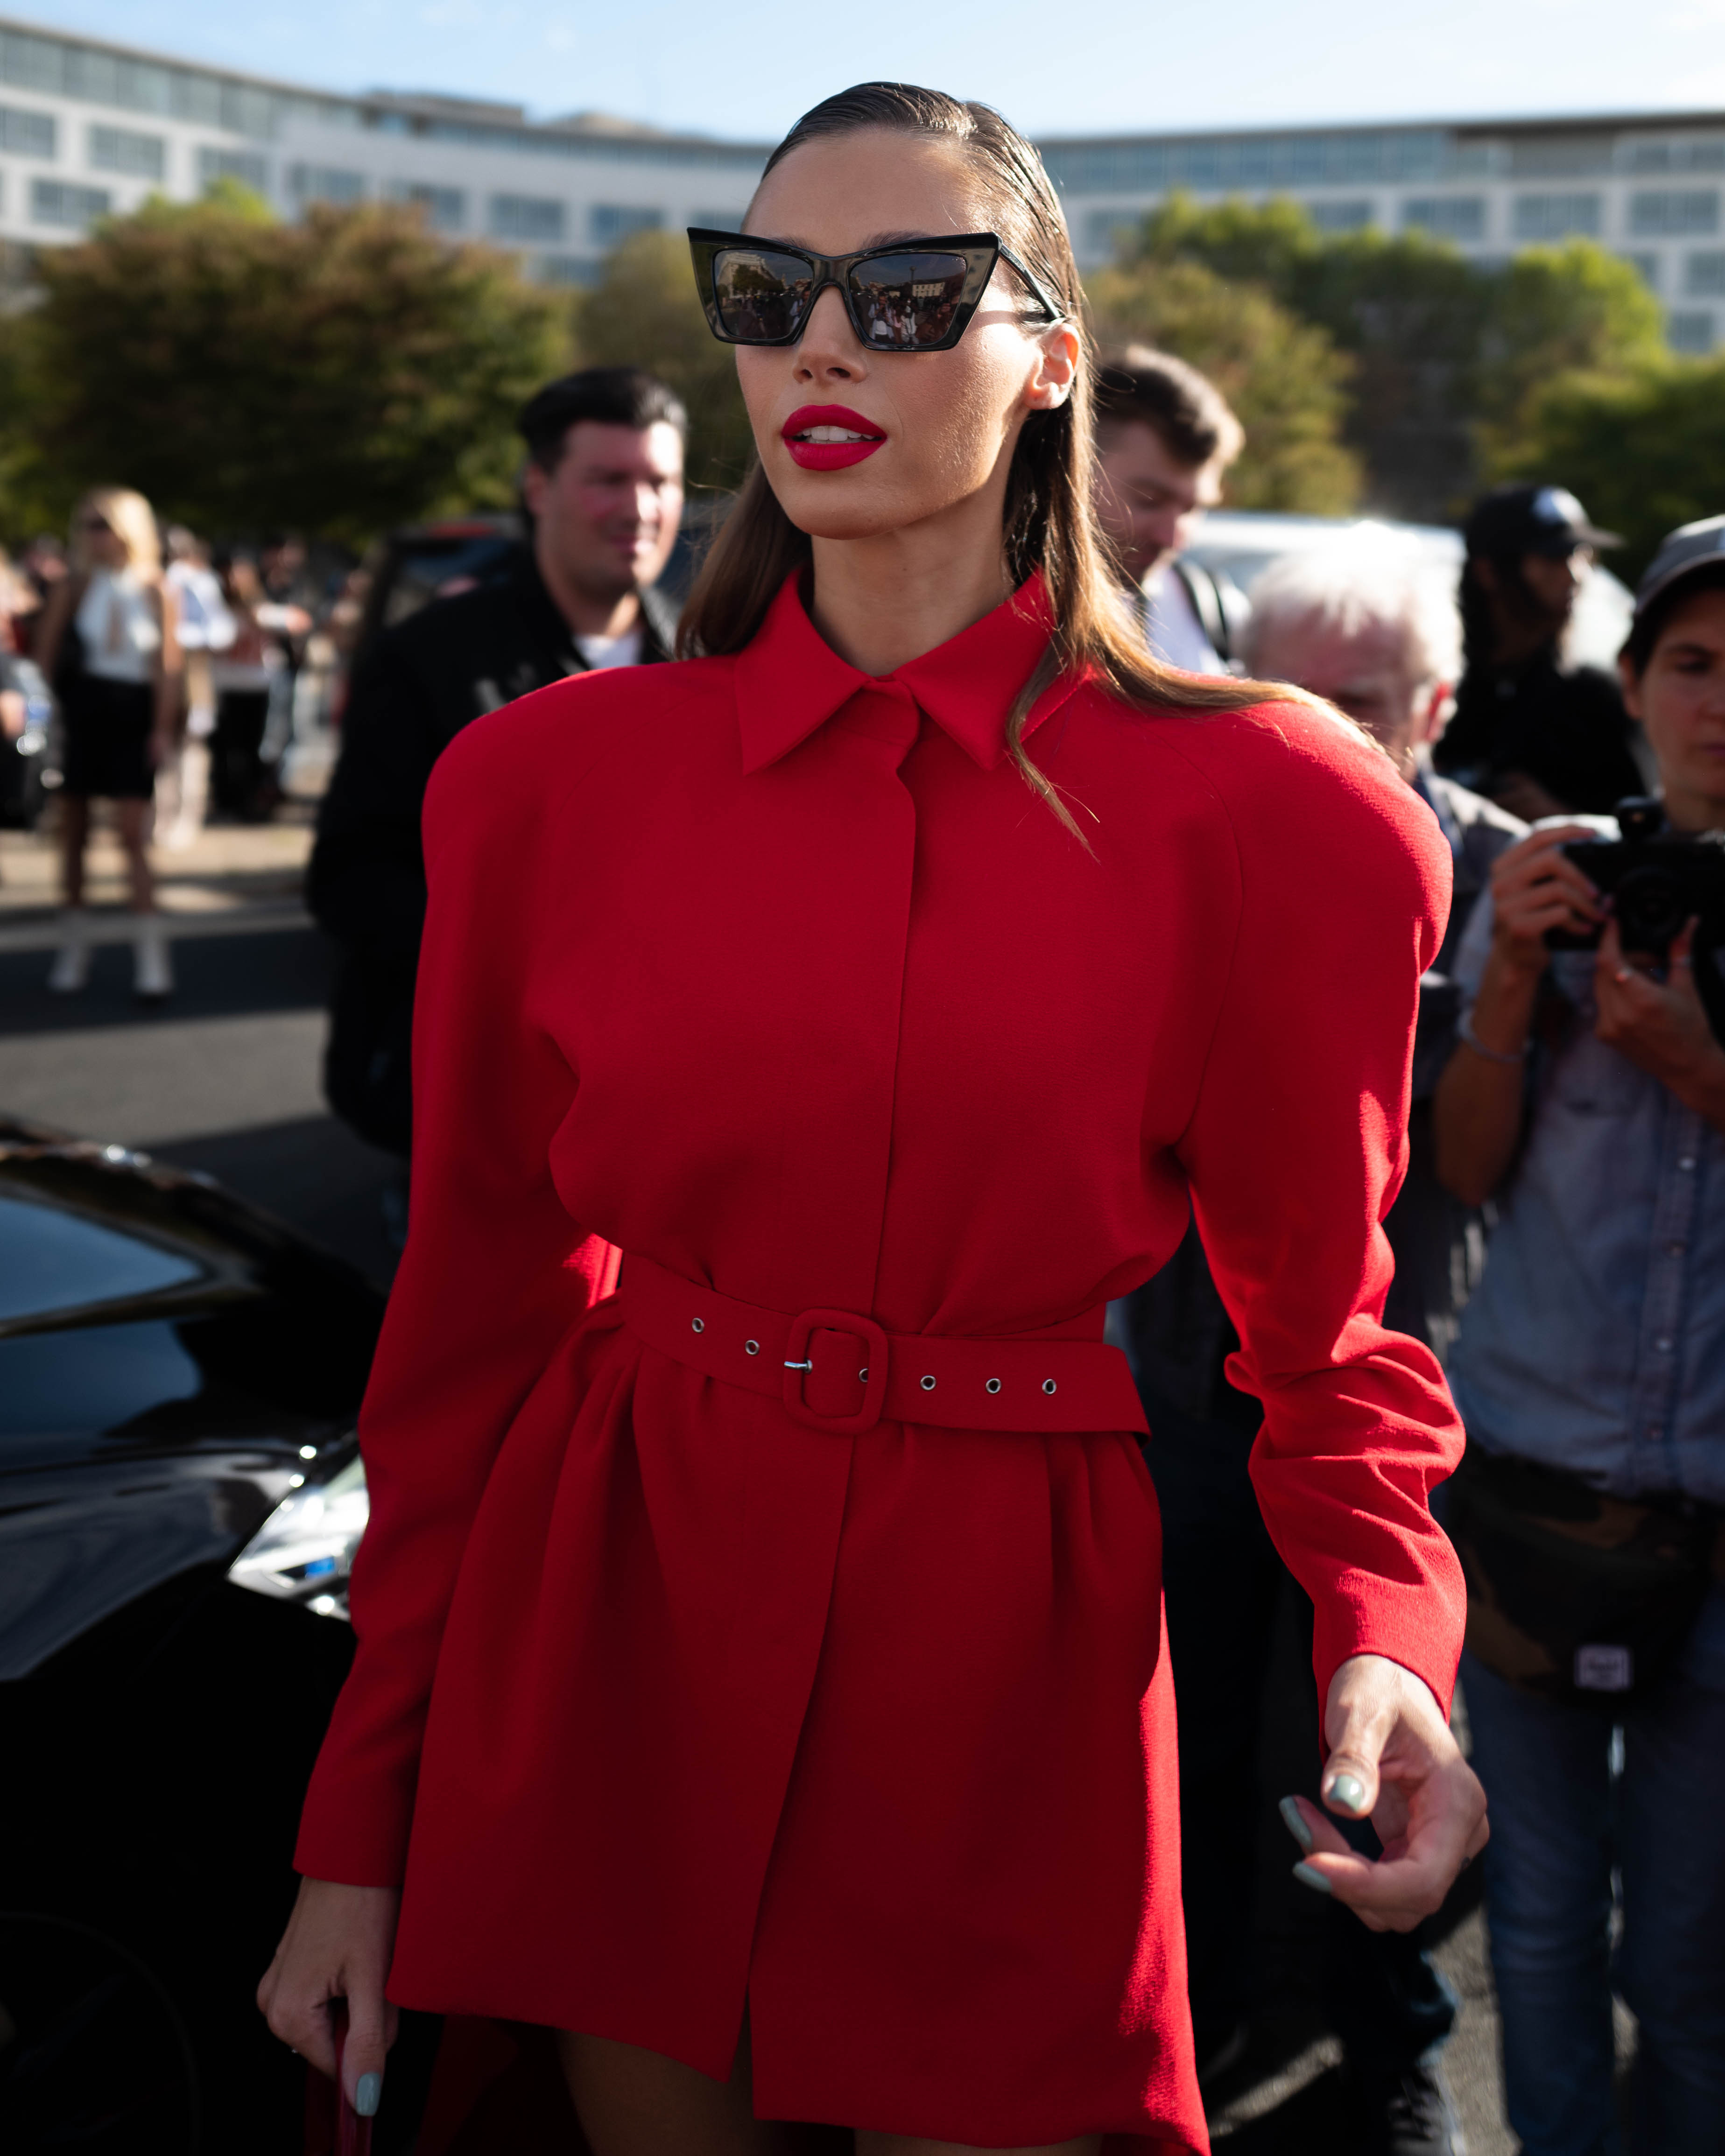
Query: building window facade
[(1445, 217), (1690, 332), (59, 202), (525, 216), (248, 167), (1672, 212), (582, 270), (1556, 216), (444, 208), (27, 134), (1329, 214), (1646, 267), (326, 183), (1704, 275), (124, 149), (608, 222)]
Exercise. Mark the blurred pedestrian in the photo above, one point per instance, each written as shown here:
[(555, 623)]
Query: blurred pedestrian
[(1165, 436), (602, 489), (206, 627), (249, 676), (110, 646), (1588, 1093), (1358, 623), (45, 566), (1538, 736)]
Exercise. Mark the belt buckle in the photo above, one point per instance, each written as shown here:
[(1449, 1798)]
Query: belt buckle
[(798, 1365)]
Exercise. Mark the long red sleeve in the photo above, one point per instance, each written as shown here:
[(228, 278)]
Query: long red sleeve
[(1296, 1153), (482, 1296)]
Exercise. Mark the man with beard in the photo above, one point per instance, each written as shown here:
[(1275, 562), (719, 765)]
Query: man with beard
[(603, 490), (1537, 736)]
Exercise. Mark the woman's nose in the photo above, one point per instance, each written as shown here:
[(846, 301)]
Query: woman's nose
[(828, 344)]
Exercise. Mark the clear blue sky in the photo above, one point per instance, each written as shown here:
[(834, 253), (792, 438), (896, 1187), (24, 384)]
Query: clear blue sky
[(746, 67)]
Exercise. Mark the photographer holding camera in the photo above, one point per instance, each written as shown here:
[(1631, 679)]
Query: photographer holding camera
[(1589, 1373)]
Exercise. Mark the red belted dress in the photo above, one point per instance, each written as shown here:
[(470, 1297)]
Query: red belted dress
[(684, 1682)]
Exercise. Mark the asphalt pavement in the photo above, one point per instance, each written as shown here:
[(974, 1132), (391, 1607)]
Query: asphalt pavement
[(225, 1078)]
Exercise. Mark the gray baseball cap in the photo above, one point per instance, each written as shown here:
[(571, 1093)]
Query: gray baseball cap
[(1689, 548)]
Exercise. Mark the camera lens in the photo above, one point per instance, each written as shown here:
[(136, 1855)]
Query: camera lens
[(1650, 908)]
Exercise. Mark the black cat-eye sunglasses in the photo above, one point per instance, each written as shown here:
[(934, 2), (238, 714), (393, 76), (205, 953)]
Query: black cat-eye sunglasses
[(914, 295)]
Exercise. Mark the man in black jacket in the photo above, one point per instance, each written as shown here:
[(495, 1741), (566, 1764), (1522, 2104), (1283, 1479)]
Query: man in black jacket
[(602, 489)]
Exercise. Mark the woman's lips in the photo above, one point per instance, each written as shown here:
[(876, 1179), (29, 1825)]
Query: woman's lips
[(827, 437)]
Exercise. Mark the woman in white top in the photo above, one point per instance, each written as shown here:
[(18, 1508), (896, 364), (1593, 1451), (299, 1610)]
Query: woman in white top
[(110, 646)]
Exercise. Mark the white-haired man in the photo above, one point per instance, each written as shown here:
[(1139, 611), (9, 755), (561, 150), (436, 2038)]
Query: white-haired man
[(1356, 622)]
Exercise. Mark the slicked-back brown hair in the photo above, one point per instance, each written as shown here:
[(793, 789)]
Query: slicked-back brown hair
[(1048, 523)]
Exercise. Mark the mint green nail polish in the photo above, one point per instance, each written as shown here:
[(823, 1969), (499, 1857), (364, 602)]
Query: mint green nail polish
[(1294, 1819), (1346, 1792), (367, 2094), (1315, 1880)]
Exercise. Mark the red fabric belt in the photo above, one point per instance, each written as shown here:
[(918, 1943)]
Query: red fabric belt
[(839, 1372)]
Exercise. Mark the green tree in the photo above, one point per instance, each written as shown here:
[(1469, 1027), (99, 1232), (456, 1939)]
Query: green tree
[(1555, 311), (1283, 377), (1447, 353), (337, 376), (1645, 448), (644, 311)]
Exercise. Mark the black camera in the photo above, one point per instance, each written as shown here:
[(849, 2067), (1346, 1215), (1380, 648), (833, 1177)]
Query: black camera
[(1657, 880)]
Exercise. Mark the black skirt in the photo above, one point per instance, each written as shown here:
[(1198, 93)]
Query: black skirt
[(108, 726)]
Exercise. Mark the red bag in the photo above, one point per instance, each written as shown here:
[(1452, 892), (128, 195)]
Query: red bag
[(333, 2128)]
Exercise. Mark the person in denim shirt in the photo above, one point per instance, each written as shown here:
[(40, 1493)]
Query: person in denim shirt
[(1595, 1344)]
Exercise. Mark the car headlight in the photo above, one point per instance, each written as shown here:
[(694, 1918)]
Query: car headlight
[(303, 1551)]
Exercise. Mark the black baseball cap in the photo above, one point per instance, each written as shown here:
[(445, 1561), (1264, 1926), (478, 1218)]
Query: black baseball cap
[(1689, 548), (1513, 521)]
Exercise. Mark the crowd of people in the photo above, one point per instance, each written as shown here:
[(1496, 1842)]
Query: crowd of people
[(1559, 1232), (170, 670)]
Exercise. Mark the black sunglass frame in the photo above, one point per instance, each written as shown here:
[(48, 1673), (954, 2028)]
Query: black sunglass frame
[(981, 251)]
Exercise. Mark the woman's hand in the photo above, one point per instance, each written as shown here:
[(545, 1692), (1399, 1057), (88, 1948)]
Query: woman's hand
[(1535, 887), (1662, 1028), (1391, 1757), (337, 1945)]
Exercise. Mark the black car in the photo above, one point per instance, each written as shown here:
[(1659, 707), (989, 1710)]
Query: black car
[(180, 1497)]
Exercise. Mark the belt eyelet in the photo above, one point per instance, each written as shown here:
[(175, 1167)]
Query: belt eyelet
[(697, 1325), (751, 1347), (927, 1384), (1050, 1386), (992, 1385)]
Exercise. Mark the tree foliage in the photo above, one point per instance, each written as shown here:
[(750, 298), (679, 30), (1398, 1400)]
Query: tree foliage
[(1283, 377), (644, 311), (1644, 448), (336, 376), (1448, 355)]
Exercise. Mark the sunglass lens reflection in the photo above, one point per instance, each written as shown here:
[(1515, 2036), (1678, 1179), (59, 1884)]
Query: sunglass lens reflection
[(905, 301), (761, 295)]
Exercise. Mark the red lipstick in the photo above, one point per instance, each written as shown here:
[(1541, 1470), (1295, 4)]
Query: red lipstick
[(846, 437)]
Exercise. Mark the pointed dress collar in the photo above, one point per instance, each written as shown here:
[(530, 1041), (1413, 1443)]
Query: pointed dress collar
[(790, 681)]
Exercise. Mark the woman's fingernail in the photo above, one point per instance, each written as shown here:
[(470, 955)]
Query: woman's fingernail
[(1309, 1877), (1346, 1791), (367, 2094), (1294, 1819)]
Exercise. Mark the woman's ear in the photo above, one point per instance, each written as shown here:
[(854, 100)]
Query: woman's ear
[(1056, 369)]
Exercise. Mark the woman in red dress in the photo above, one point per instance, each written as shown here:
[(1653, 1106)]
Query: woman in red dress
[(760, 1672)]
